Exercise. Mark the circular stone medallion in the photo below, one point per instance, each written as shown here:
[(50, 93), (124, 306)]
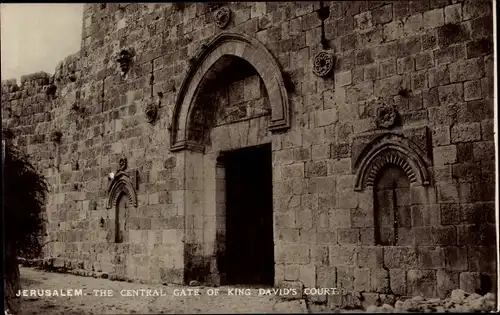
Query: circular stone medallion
[(323, 63), (386, 116), (222, 17)]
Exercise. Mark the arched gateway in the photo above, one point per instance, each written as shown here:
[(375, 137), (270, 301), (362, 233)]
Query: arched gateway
[(232, 99)]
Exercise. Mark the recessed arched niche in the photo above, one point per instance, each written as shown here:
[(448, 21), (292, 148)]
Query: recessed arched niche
[(391, 149), (391, 171), (121, 196)]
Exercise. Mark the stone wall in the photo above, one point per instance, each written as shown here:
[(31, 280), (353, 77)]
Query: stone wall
[(411, 86)]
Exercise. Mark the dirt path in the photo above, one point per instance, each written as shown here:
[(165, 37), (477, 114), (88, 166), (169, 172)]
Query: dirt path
[(89, 303)]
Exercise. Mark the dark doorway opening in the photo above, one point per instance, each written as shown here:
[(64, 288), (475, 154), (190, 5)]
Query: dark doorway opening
[(249, 216)]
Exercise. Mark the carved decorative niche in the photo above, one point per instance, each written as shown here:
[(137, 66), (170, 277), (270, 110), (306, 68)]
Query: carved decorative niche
[(124, 60), (122, 164), (391, 149), (151, 111), (323, 63), (222, 17), (385, 116), (122, 184), (51, 91), (152, 105), (121, 195), (56, 136)]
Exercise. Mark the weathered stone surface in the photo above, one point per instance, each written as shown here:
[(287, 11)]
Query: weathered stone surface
[(431, 60)]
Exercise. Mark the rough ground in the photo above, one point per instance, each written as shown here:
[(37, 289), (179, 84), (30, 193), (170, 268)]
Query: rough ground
[(90, 304), (458, 302), (31, 278)]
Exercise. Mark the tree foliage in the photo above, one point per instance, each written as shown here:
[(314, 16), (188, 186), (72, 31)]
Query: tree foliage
[(24, 195)]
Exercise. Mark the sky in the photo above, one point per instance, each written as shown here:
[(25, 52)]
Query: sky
[(36, 37)]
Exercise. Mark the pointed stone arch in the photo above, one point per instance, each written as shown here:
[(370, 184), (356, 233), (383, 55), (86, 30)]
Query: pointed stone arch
[(229, 44), (391, 149), (122, 184)]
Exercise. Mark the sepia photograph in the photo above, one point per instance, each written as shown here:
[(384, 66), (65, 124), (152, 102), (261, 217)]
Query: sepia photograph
[(249, 157)]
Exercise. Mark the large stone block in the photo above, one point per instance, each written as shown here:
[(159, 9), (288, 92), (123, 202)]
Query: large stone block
[(370, 257), (319, 253), (316, 169), (393, 30), (445, 155), (398, 281), (400, 257), (348, 236), (470, 281), (431, 257), (388, 86), (361, 279), (444, 235), (326, 277), (380, 281), (438, 76), (340, 219), (453, 13), (322, 185), (421, 282), (413, 25), (345, 278), (469, 69), (359, 92), (472, 90), (447, 281), (482, 259), (294, 253), (466, 132), (450, 94), (343, 255), (308, 275), (362, 218), (433, 18)]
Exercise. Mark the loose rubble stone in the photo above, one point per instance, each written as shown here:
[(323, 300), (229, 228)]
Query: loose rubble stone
[(458, 301)]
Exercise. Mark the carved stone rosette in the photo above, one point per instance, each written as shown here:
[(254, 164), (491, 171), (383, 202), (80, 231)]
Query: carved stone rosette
[(122, 164), (323, 63), (385, 116), (222, 17)]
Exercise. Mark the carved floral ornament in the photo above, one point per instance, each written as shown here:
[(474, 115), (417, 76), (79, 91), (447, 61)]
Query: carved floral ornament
[(385, 116), (222, 17), (323, 63)]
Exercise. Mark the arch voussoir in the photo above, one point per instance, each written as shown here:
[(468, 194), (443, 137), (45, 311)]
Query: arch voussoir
[(238, 45), (121, 185), (391, 149)]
